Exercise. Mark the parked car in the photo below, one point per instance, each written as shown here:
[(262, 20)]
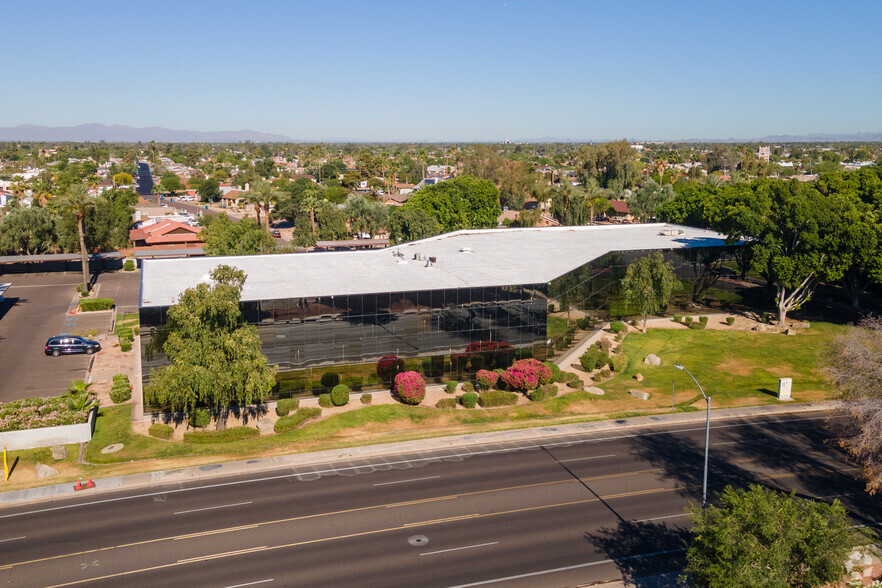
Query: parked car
[(277, 233), (67, 344)]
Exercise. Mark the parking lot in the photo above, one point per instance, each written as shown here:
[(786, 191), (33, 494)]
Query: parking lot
[(37, 307)]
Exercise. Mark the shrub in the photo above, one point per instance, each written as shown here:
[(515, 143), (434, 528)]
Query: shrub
[(633, 322), (33, 413), (366, 398), (576, 383), (526, 374), (469, 400), (593, 359), (225, 436), (450, 387), (605, 373), (410, 387), (286, 405), (584, 323), (161, 431), (619, 337), (730, 320), (493, 398), (688, 321), (121, 391), (550, 308), (486, 379), (83, 289), (618, 363), (546, 391), (125, 346), (292, 421), (677, 318), (555, 371), (200, 418), (340, 395), (605, 344), (94, 304), (468, 387), (325, 401), (446, 403), (702, 320), (129, 265), (617, 326)]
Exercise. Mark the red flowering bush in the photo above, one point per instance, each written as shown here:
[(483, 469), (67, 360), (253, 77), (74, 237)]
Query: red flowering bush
[(389, 366), (526, 374), (486, 379), (410, 387)]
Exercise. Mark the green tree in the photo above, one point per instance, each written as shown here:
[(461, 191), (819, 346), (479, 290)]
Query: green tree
[(27, 231), (649, 283), (76, 202), (765, 539), (170, 182), (224, 236), (209, 190), (215, 360), (123, 179), (412, 224), (462, 203), (262, 194), (366, 216), (645, 201)]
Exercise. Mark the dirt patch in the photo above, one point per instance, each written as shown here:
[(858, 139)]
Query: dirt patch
[(737, 368)]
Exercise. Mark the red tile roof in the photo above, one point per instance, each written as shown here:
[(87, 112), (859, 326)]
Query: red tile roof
[(166, 231), (620, 206)]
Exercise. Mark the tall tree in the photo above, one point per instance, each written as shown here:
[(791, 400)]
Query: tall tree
[(215, 360), (262, 194), (77, 202), (645, 201), (27, 231), (224, 236), (649, 283)]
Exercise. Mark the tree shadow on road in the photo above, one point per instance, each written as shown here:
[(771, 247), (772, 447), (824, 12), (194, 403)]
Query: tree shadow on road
[(643, 550)]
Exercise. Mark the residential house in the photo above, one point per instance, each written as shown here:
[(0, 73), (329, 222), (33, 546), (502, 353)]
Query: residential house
[(621, 212), (166, 235)]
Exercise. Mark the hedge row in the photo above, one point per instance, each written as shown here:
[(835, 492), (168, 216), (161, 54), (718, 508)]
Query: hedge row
[(121, 390), (286, 405), (225, 436), (92, 304), (292, 421), (161, 431), (493, 398), (446, 403)]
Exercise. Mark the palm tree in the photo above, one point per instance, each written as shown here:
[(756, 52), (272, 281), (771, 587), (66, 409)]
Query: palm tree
[(262, 194), (311, 200), (595, 196), (76, 202), (19, 188)]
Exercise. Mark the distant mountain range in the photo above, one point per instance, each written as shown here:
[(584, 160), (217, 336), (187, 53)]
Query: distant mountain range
[(94, 132)]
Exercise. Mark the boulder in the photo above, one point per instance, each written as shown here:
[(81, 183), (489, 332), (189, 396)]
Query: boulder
[(652, 359), (59, 452), (594, 390), (790, 331), (44, 471), (760, 328), (639, 394), (638, 376)]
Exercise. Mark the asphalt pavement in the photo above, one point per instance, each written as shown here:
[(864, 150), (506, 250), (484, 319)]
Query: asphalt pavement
[(558, 510)]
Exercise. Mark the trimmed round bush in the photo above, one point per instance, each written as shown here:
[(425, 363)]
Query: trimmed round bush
[(469, 400), (687, 321), (410, 387), (446, 403), (125, 345), (486, 379), (129, 265), (526, 374), (340, 395), (593, 359), (161, 431), (492, 398), (450, 387), (325, 401), (286, 405), (468, 387), (677, 318), (200, 418), (730, 320), (366, 398), (617, 326), (555, 371)]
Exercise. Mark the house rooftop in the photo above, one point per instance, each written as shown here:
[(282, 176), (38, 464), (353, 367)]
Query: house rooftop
[(462, 259)]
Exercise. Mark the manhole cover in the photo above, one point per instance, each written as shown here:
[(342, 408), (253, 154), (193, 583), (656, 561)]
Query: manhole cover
[(418, 540)]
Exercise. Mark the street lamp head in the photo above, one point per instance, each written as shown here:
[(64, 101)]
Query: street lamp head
[(679, 367)]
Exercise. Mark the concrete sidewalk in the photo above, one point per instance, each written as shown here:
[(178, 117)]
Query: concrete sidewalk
[(254, 466)]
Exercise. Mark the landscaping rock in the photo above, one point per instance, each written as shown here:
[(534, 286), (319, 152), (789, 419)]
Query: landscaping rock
[(59, 452), (44, 471), (639, 394), (805, 325), (652, 359), (265, 424), (760, 328), (790, 331), (112, 448), (638, 376), (594, 390)]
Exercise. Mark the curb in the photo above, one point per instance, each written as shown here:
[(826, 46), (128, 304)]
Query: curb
[(253, 466)]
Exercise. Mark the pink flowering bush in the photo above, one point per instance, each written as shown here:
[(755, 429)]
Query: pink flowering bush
[(526, 374), (410, 387), (486, 379), (34, 413)]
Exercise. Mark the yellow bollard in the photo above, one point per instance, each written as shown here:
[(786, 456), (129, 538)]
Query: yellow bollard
[(5, 466)]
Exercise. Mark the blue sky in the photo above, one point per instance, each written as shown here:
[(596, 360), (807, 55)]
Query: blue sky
[(448, 71)]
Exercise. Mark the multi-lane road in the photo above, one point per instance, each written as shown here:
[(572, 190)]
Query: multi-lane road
[(567, 511)]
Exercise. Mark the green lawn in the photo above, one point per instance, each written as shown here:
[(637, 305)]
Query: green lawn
[(735, 368)]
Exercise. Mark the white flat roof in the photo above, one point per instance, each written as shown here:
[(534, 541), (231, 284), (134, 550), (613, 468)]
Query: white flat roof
[(463, 259)]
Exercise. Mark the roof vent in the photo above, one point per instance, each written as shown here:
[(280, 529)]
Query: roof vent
[(466, 250), (671, 232)]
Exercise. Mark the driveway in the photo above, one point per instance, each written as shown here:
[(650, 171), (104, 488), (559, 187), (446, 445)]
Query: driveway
[(37, 307)]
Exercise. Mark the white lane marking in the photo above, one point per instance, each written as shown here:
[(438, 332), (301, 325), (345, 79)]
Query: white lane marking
[(250, 583), (567, 568), (459, 548), (213, 507), (405, 481), (584, 458), (397, 462), (685, 514), (13, 539)]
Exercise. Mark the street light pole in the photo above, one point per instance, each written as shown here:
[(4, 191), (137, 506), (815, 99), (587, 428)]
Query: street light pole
[(706, 434)]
